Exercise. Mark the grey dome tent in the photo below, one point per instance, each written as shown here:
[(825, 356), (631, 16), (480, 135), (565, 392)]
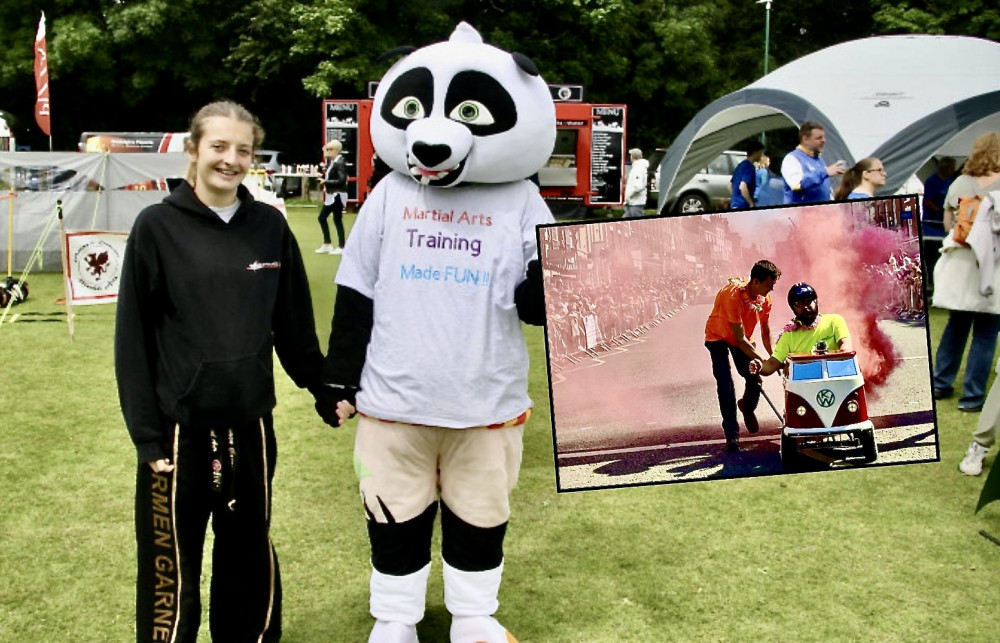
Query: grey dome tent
[(903, 99)]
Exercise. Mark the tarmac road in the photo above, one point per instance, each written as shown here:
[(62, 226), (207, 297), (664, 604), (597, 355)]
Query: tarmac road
[(647, 412)]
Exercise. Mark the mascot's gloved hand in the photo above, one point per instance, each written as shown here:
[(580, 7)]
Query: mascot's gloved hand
[(328, 396), (535, 271), (529, 296)]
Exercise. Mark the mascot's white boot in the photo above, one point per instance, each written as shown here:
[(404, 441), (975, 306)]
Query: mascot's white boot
[(397, 603), (471, 597)]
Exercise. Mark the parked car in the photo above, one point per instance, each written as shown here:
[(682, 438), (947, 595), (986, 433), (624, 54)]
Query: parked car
[(708, 190), (825, 408)]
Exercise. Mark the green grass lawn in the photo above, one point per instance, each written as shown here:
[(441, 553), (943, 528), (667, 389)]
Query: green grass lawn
[(884, 554)]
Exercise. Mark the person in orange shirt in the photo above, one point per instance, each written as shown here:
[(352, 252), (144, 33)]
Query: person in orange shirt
[(739, 307)]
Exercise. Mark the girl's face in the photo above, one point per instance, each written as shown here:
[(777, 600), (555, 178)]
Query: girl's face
[(876, 174), (222, 159)]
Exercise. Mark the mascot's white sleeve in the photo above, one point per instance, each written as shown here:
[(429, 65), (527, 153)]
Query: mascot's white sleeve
[(529, 295), (352, 323), (535, 213), (359, 267)]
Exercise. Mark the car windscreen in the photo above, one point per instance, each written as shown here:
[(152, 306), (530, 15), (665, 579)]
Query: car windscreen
[(841, 368), (807, 371)]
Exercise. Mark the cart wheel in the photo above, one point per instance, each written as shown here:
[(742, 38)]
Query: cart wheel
[(868, 445), (790, 456)]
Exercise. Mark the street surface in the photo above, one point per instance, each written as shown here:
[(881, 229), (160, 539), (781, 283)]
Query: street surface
[(647, 412)]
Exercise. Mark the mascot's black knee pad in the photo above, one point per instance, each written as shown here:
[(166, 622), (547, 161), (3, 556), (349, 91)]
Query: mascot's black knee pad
[(467, 547), (401, 548)]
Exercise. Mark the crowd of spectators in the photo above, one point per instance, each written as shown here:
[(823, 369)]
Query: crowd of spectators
[(585, 321), (902, 278)]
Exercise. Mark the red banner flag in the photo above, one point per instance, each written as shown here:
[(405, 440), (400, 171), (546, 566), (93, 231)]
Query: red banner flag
[(42, 114)]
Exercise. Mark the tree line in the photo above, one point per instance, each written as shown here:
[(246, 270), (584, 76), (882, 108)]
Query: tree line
[(146, 65)]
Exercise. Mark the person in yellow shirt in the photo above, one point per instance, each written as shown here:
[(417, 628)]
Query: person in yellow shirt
[(738, 308), (805, 331)]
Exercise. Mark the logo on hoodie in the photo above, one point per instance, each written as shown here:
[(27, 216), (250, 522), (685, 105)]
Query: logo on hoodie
[(264, 265)]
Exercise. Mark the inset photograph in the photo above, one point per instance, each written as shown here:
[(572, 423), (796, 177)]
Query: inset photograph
[(760, 342)]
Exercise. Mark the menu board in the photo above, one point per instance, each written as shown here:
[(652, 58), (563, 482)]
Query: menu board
[(342, 124), (607, 155)]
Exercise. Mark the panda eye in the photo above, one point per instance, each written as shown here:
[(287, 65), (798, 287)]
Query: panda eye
[(409, 108), (471, 112)]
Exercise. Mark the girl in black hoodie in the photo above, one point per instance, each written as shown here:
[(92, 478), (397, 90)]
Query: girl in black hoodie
[(213, 284)]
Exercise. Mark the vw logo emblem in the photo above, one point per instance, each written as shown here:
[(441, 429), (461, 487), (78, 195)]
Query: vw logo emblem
[(825, 398)]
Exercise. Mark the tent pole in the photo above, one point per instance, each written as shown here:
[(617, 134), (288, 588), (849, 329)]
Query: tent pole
[(767, 46), (767, 33), (10, 230), (64, 250)]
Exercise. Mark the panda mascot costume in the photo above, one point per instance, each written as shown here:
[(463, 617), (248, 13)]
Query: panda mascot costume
[(426, 345)]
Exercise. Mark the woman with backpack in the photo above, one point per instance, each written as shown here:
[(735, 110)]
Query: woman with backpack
[(956, 281)]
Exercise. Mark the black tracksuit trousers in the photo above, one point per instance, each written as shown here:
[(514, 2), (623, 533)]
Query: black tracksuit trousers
[(337, 210), (226, 475)]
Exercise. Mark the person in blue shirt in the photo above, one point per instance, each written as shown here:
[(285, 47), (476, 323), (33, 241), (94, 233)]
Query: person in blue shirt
[(932, 216), (806, 175), (935, 188), (862, 180), (763, 174), (770, 187), (744, 181)]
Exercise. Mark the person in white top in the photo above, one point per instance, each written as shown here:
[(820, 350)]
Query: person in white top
[(980, 176), (334, 197), (636, 186)]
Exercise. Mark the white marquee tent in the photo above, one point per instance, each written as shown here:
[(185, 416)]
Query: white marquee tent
[(41, 180), (904, 99)]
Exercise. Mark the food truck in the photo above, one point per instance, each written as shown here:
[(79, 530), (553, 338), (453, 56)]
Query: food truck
[(586, 169), (135, 142), (118, 142)]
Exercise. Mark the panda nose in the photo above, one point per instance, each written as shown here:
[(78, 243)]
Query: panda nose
[(430, 155)]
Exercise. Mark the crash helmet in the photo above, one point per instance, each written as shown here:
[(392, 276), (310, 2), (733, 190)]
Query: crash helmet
[(800, 291)]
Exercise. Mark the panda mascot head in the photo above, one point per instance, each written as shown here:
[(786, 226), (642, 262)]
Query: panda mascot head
[(462, 111)]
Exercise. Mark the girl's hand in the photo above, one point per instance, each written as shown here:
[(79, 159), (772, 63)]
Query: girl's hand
[(161, 466)]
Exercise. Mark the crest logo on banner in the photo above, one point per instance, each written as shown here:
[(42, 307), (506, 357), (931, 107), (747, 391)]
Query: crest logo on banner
[(94, 266)]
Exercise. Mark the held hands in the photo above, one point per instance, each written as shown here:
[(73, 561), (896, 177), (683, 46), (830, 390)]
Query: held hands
[(755, 366), (345, 411), (836, 169), (335, 403)]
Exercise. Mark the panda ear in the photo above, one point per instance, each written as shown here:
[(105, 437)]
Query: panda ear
[(525, 63), (405, 50)]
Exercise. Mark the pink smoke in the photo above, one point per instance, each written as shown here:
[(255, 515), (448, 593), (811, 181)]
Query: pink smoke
[(842, 259)]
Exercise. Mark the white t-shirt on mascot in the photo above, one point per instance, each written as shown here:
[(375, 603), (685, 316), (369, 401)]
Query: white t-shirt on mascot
[(441, 243)]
